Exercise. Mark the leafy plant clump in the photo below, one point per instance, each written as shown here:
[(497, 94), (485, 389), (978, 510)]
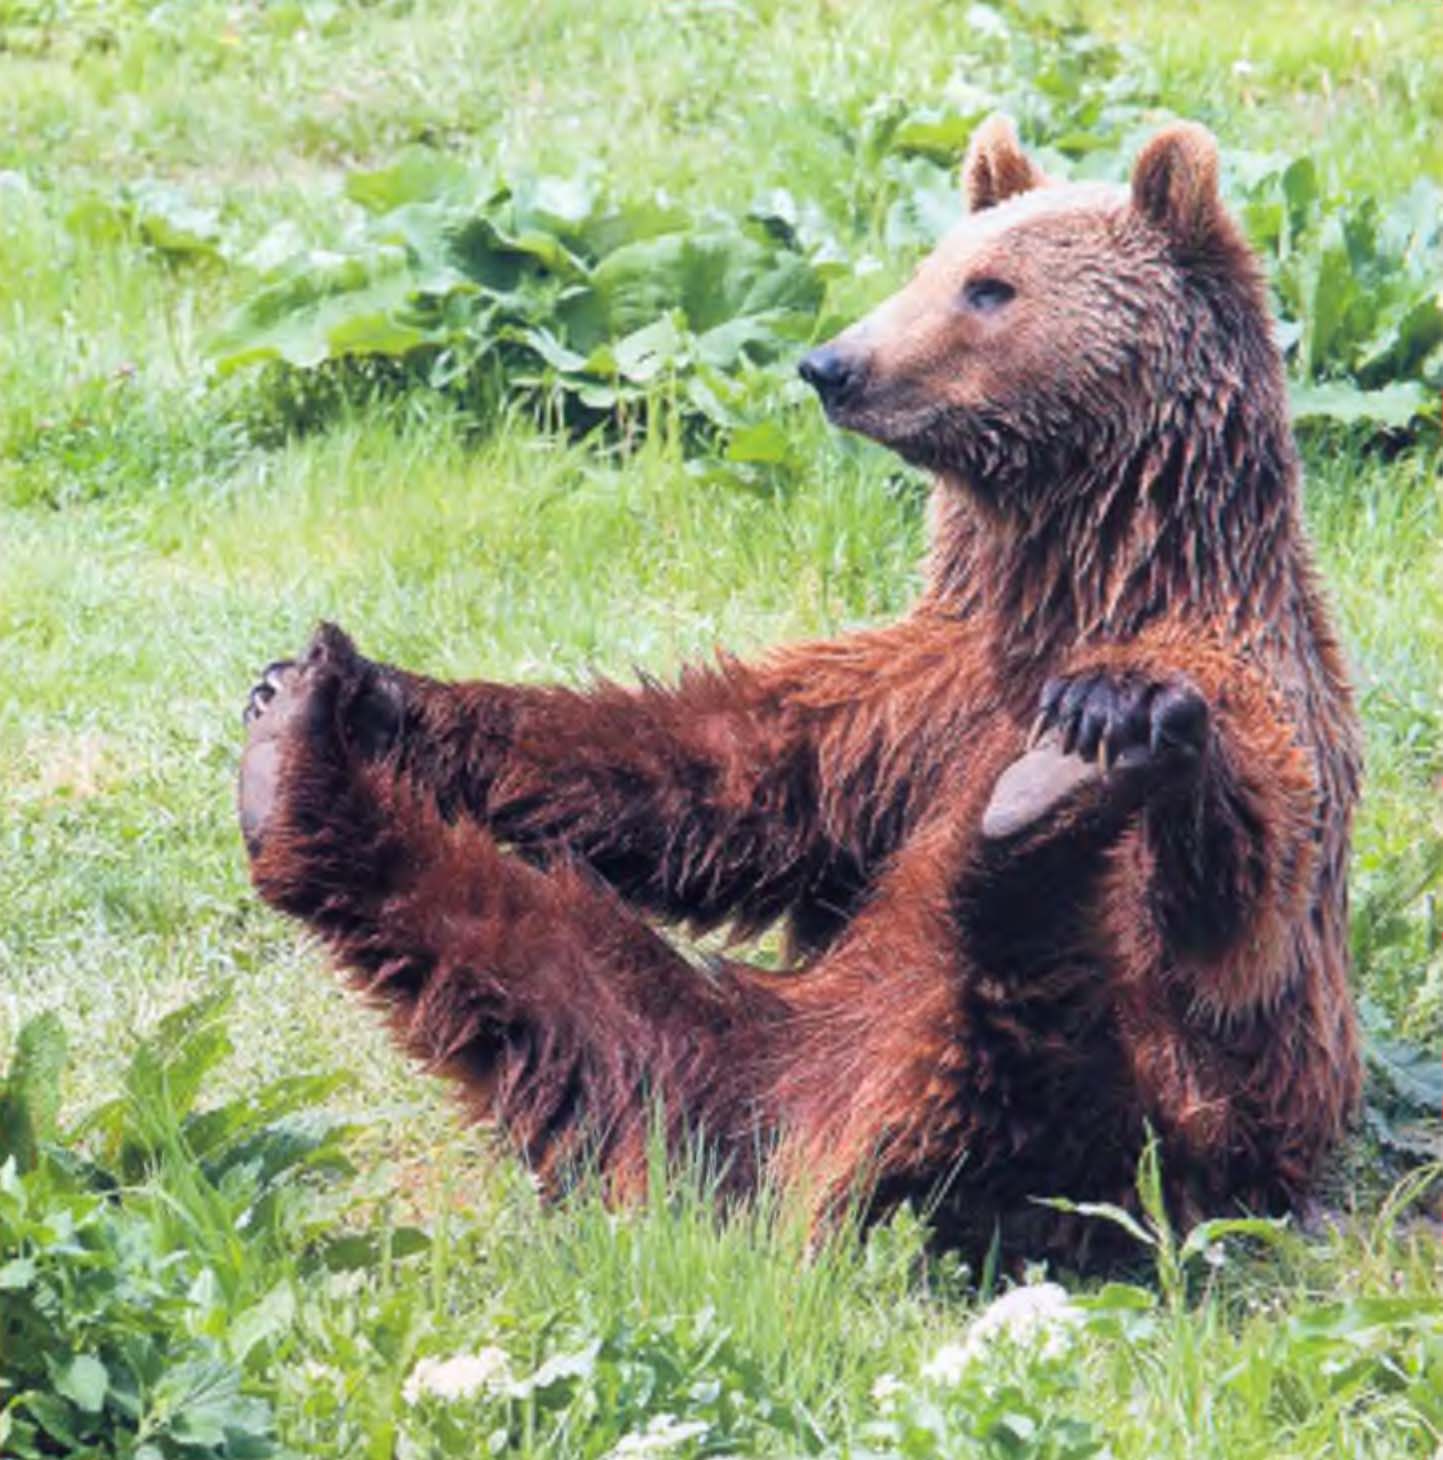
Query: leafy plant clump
[(146, 1257), (588, 311), (546, 291)]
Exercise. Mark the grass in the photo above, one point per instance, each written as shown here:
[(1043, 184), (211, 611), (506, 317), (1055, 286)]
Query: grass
[(153, 552)]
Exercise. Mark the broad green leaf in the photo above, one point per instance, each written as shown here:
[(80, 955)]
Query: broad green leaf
[(1393, 406), (501, 261), (418, 175), (928, 204), (941, 134), (200, 1406), (599, 397), (759, 337), (366, 321), (1413, 1072), (606, 231), (645, 353), (280, 243), (377, 332), (84, 1382), (18, 1273), (712, 276), (97, 219), (1300, 190), (552, 1381), (299, 1140), (558, 205), (170, 222), (55, 1417), (1401, 346), (291, 316), (551, 350), (423, 234), (705, 391)]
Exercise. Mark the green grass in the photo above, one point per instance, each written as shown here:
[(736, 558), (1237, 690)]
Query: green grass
[(153, 552)]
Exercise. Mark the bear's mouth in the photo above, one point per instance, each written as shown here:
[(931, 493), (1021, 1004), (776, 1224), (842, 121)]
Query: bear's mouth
[(920, 434), (895, 413)]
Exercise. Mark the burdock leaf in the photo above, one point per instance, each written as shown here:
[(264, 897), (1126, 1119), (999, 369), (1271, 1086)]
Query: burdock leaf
[(1394, 406), (418, 175)]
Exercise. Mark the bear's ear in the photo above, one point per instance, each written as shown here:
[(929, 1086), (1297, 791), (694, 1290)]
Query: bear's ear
[(1175, 183), (996, 168)]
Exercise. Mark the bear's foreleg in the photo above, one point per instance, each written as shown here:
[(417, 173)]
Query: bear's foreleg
[(1204, 763), (1185, 812), (558, 1010)]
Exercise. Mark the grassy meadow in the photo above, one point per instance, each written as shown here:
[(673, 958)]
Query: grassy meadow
[(234, 1222)]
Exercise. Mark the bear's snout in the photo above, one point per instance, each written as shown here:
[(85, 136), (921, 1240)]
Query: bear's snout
[(833, 373)]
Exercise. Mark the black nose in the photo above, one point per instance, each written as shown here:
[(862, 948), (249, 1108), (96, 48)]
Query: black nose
[(829, 372)]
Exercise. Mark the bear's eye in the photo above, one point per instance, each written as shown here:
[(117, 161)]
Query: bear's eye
[(987, 295)]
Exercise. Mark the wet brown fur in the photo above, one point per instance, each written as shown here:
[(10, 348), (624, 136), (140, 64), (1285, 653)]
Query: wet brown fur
[(1117, 490)]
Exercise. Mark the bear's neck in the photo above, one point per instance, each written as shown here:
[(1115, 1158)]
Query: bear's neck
[(1118, 542)]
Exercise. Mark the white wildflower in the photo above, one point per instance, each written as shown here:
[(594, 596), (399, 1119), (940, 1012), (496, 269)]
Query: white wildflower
[(663, 1432), (459, 1377), (885, 1388), (948, 1364), (1039, 1317)]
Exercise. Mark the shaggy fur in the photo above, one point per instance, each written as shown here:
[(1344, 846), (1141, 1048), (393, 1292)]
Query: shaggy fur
[(998, 1002)]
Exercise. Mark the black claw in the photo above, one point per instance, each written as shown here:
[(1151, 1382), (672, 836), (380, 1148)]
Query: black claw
[(1091, 726), (1179, 722), (1070, 708), (256, 701), (1051, 696), (265, 689)]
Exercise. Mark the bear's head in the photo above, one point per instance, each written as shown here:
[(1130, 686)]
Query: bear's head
[(1061, 325)]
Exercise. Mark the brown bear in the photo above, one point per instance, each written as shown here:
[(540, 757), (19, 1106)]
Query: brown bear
[(1062, 855)]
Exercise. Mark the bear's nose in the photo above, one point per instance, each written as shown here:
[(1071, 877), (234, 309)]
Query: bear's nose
[(829, 372)]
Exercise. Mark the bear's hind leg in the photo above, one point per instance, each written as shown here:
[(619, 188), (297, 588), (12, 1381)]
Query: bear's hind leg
[(556, 1007)]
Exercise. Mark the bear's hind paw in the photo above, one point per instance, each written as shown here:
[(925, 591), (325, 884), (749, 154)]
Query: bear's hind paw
[(270, 709), (343, 704)]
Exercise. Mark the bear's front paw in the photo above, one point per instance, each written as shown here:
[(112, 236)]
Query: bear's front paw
[(1095, 727), (331, 697), (1125, 720)]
